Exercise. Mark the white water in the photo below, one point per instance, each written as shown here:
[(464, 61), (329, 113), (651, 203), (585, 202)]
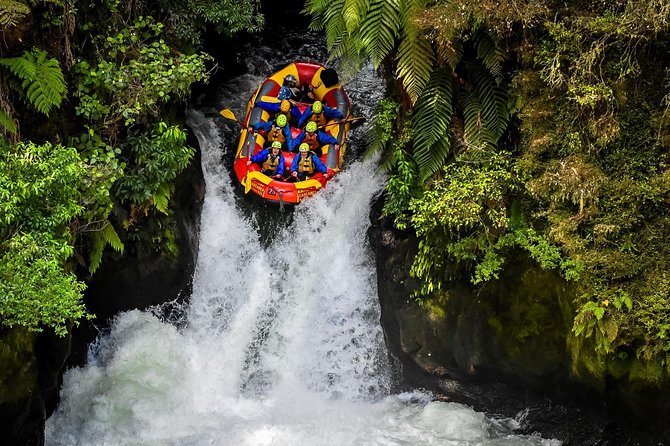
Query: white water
[(281, 344)]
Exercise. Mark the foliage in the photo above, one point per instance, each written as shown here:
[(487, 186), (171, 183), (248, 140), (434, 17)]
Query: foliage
[(154, 162), (126, 151), (188, 20), (41, 187), (584, 184), (41, 79), (133, 73)]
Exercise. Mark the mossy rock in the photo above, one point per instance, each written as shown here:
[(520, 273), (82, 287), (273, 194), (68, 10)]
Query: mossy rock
[(18, 365)]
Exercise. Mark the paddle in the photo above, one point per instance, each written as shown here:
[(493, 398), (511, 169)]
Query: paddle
[(342, 121), (229, 114)]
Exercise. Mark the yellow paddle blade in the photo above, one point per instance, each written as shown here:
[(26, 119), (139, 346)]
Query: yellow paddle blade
[(228, 114), (247, 184)]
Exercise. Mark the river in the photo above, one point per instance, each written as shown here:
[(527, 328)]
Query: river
[(280, 342)]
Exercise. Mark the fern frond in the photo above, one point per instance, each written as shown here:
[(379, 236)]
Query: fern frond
[(431, 119), (415, 54), (380, 28), (448, 52), (162, 197), (22, 67), (352, 13), (493, 98), (111, 238), (43, 82), (95, 256), (7, 122), (490, 54), (11, 12)]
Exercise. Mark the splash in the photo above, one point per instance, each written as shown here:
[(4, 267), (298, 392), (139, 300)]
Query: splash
[(281, 343)]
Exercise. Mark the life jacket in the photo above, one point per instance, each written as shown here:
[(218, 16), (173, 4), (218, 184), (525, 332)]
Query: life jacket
[(319, 118), (271, 163), (276, 134), (306, 164), (312, 140)]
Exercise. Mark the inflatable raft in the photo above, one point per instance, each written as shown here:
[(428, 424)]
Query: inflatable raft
[(325, 87)]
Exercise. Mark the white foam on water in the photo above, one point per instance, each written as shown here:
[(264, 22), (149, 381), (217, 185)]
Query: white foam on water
[(282, 343)]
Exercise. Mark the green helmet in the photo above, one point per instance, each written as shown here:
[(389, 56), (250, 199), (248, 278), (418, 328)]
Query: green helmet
[(311, 127), (276, 145), (317, 107), (304, 147), (281, 120)]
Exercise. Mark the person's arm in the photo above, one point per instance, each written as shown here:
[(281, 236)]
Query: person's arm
[(272, 107), (318, 165), (296, 142), (280, 168), (326, 138), (294, 165), (305, 116), (332, 113), (265, 126), (259, 157)]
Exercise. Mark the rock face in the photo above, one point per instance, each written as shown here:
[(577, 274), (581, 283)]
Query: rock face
[(502, 349)]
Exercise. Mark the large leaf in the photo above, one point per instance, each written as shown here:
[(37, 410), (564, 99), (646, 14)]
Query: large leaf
[(43, 82), (415, 54), (379, 29), (431, 119)]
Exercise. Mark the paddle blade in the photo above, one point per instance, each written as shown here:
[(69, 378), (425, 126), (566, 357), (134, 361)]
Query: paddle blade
[(247, 184), (228, 114)]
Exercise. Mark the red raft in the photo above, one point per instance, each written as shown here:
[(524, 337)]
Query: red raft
[(332, 95)]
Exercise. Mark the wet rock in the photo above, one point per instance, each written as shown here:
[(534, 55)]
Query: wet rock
[(502, 349)]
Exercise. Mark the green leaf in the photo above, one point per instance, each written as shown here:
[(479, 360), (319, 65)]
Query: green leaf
[(110, 237), (431, 120)]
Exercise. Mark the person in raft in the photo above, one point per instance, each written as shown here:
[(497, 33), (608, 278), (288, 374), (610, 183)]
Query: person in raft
[(289, 89), (271, 161), (306, 164), (285, 106), (276, 130), (319, 113), (314, 139)]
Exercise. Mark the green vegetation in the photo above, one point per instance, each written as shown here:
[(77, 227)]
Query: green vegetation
[(89, 151), (530, 127)]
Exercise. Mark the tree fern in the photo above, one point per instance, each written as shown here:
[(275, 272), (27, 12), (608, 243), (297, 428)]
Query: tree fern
[(415, 54), (431, 119), (489, 53), (485, 108), (42, 79), (11, 12), (379, 29)]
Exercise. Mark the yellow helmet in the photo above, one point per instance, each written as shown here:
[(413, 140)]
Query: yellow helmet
[(311, 127), (285, 106), (304, 147), (281, 120), (317, 107), (276, 145)]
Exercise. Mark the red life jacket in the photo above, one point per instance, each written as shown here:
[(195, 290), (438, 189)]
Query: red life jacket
[(319, 118), (312, 140), (276, 134)]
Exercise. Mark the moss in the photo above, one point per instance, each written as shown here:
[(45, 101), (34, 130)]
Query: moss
[(18, 365)]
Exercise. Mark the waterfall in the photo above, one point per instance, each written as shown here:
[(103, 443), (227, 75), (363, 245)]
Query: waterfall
[(280, 344)]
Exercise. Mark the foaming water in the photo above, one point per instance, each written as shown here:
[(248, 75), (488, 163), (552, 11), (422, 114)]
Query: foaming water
[(280, 345)]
